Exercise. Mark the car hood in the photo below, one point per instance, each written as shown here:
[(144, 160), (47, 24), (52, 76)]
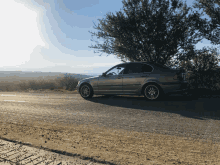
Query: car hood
[(90, 78)]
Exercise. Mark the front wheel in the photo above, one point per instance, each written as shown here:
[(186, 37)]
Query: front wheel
[(152, 92), (86, 91)]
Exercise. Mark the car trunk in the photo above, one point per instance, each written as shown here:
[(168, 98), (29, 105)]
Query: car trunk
[(179, 74)]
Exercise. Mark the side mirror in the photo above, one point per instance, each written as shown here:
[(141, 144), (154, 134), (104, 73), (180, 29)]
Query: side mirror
[(104, 74)]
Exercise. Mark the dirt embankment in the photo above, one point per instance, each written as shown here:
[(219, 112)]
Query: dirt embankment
[(111, 145)]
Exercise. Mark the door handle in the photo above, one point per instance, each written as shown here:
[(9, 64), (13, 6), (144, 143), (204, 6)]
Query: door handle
[(119, 77)]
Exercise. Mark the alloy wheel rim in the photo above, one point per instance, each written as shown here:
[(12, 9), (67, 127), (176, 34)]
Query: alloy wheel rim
[(85, 91), (152, 92)]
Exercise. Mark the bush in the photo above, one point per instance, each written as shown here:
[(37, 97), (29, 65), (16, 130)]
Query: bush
[(23, 86), (40, 84), (202, 64), (209, 79), (68, 81)]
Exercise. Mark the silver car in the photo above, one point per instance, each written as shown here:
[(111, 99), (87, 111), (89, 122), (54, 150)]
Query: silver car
[(135, 78)]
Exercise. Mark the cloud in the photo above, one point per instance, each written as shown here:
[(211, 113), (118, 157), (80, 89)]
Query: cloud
[(19, 33), (38, 60), (32, 40), (34, 4), (49, 60)]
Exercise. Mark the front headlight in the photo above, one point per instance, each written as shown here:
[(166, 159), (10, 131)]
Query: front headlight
[(78, 82)]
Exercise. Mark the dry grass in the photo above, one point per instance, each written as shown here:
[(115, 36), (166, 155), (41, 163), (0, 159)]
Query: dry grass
[(65, 83)]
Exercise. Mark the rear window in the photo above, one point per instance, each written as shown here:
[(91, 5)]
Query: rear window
[(161, 66), (146, 68)]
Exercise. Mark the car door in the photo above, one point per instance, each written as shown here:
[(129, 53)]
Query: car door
[(112, 82), (134, 76)]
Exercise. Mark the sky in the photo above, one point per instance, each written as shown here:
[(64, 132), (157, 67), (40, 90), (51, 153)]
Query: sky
[(52, 35)]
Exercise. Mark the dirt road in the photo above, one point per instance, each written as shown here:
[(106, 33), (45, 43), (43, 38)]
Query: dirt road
[(119, 130)]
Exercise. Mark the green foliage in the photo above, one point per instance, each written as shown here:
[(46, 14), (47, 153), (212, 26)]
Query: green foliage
[(148, 31), (204, 68), (209, 79), (210, 29), (204, 59)]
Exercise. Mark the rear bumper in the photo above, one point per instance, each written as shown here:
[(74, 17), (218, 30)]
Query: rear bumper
[(180, 87)]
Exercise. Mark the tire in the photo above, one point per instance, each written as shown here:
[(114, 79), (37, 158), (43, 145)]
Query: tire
[(153, 92), (86, 91)]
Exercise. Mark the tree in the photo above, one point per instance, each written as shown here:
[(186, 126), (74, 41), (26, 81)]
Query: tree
[(206, 59), (148, 31), (203, 65), (210, 29)]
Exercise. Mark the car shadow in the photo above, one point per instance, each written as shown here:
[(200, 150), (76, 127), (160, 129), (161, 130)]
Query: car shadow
[(200, 107)]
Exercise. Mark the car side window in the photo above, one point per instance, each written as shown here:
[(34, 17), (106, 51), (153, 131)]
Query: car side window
[(133, 68), (138, 68), (116, 71)]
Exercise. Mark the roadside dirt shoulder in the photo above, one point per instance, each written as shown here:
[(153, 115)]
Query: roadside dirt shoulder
[(49, 91), (112, 145)]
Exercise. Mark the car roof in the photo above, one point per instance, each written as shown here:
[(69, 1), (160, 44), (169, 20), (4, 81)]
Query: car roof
[(151, 63), (145, 62), (134, 62), (138, 62), (155, 66)]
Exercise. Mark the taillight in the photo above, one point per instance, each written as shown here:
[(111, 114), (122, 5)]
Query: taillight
[(180, 76)]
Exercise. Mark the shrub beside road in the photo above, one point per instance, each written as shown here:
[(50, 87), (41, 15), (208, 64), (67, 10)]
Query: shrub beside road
[(67, 83)]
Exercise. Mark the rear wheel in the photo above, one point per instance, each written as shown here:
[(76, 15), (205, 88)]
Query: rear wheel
[(86, 91), (153, 92)]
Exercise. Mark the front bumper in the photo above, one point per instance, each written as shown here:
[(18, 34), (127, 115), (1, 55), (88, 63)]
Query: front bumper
[(77, 88)]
